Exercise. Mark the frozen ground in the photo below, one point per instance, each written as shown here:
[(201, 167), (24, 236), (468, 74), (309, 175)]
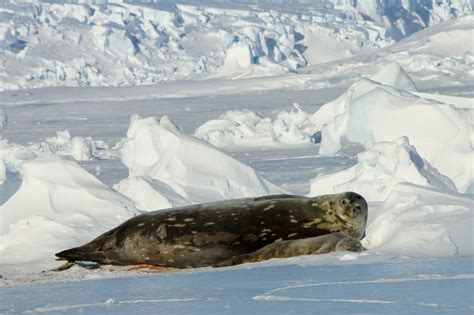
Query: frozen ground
[(392, 122), (295, 286)]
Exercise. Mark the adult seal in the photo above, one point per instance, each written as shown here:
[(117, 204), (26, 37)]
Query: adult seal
[(231, 232)]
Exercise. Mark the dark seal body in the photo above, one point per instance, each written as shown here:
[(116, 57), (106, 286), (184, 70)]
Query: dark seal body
[(208, 234)]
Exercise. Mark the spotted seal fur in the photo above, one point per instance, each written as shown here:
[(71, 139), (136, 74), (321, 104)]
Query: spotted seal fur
[(231, 232)]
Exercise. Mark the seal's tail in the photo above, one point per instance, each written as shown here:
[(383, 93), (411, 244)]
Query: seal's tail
[(81, 254)]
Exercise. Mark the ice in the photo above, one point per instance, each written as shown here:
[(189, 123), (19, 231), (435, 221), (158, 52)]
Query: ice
[(396, 80), (48, 44), (380, 169), (195, 170), (405, 18), (58, 205), (247, 128), (369, 113), (394, 75), (79, 148), (3, 120), (422, 221), (412, 207)]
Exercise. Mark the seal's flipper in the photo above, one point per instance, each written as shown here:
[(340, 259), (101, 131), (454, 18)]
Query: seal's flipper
[(313, 245), (150, 268), (65, 266), (78, 254), (274, 197)]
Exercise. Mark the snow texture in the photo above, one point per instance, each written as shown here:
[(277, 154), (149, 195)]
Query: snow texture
[(380, 169), (49, 44), (191, 167), (248, 128), (58, 204), (382, 113), (369, 113)]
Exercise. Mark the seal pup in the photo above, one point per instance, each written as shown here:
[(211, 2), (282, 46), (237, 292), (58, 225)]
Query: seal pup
[(230, 232), (332, 242)]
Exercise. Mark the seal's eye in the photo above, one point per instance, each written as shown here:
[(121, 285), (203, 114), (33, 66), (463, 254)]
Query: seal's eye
[(358, 208), (344, 202)]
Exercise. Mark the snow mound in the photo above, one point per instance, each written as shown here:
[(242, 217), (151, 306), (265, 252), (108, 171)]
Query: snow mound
[(422, 221), (326, 113), (369, 113), (191, 167), (149, 194), (393, 75), (58, 205), (379, 170), (79, 148), (248, 128)]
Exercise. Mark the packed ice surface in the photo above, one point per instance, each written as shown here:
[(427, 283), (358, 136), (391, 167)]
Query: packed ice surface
[(248, 128), (188, 166), (369, 113)]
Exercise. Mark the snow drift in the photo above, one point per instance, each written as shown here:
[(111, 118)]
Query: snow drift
[(149, 194), (379, 170), (58, 205), (412, 207), (369, 113), (422, 221), (190, 167), (247, 128)]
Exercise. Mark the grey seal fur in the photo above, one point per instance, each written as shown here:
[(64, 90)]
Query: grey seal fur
[(231, 232)]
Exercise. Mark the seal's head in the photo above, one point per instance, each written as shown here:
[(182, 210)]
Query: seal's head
[(352, 209)]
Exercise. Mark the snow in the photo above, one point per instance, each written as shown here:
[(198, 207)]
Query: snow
[(79, 148), (57, 205), (421, 285), (48, 44), (380, 169), (192, 168), (95, 136), (421, 221), (248, 128), (404, 18), (369, 113), (413, 207), (394, 75)]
